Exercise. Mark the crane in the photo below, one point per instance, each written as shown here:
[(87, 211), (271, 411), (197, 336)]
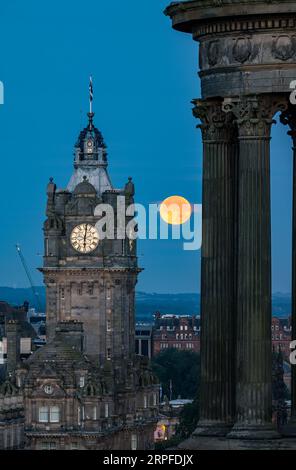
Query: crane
[(25, 266)]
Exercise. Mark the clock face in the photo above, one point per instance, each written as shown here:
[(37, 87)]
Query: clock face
[(84, 238), (89, 145), (48, 389)]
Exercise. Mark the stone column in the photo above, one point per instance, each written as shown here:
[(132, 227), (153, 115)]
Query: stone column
[(217, 270), (253, 383), (288, 117)]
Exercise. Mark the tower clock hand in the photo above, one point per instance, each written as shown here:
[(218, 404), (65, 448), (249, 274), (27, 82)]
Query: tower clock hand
[(85, 233)]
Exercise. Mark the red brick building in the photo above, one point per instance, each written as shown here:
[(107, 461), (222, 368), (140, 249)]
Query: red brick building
[(281, 335), (178, 332)]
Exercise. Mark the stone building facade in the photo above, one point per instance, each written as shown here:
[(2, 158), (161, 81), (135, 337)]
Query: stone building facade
[(281, 336), (12, 421), (86, 388), (177, 332)]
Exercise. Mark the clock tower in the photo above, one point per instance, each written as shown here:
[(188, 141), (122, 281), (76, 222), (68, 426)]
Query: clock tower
[(88, 278)]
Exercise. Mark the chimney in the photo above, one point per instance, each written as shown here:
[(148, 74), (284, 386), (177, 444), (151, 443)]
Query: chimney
[(71, 332), (13, 344)]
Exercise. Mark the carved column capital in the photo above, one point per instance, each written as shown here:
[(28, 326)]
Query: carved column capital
[(288, 118), (254, 114), (215, 124)]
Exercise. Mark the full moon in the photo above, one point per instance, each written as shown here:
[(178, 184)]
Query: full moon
[(175, 210)]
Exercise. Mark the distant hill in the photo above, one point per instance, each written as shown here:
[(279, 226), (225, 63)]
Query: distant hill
[(148, 304), (19, 295)]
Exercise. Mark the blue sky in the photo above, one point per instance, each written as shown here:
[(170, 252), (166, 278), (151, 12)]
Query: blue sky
[(145, 75)]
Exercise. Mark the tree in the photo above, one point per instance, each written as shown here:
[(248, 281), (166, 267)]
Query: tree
[(279, 389), (182, 368), (189, 417)]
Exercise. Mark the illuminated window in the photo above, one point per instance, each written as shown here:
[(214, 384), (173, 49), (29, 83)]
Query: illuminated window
[(78, 416), (134, 442), (106, 410), (43, 414), (48, 445), (145, 401), (81, 382), (54, 414)]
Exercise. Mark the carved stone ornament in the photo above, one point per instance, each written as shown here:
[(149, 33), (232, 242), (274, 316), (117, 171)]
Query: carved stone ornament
[(215, 124), (254, 114), (288, 118), (213, 52), (283, 47), (242, 50)]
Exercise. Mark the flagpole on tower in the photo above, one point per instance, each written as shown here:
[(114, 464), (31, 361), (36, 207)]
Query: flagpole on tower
[(91, 94)]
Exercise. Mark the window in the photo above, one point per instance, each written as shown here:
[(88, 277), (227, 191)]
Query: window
[(25, 345), (81, 382), (54, 414), (108, 354), (154, 399), (106, 410), (62, 293), (145, 401), (108, 325), (48, 445), (95, 412), (90, 290), (134, 442), (78, 416), (186, 327), (79, 290), (43, 414), (181, 327)]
